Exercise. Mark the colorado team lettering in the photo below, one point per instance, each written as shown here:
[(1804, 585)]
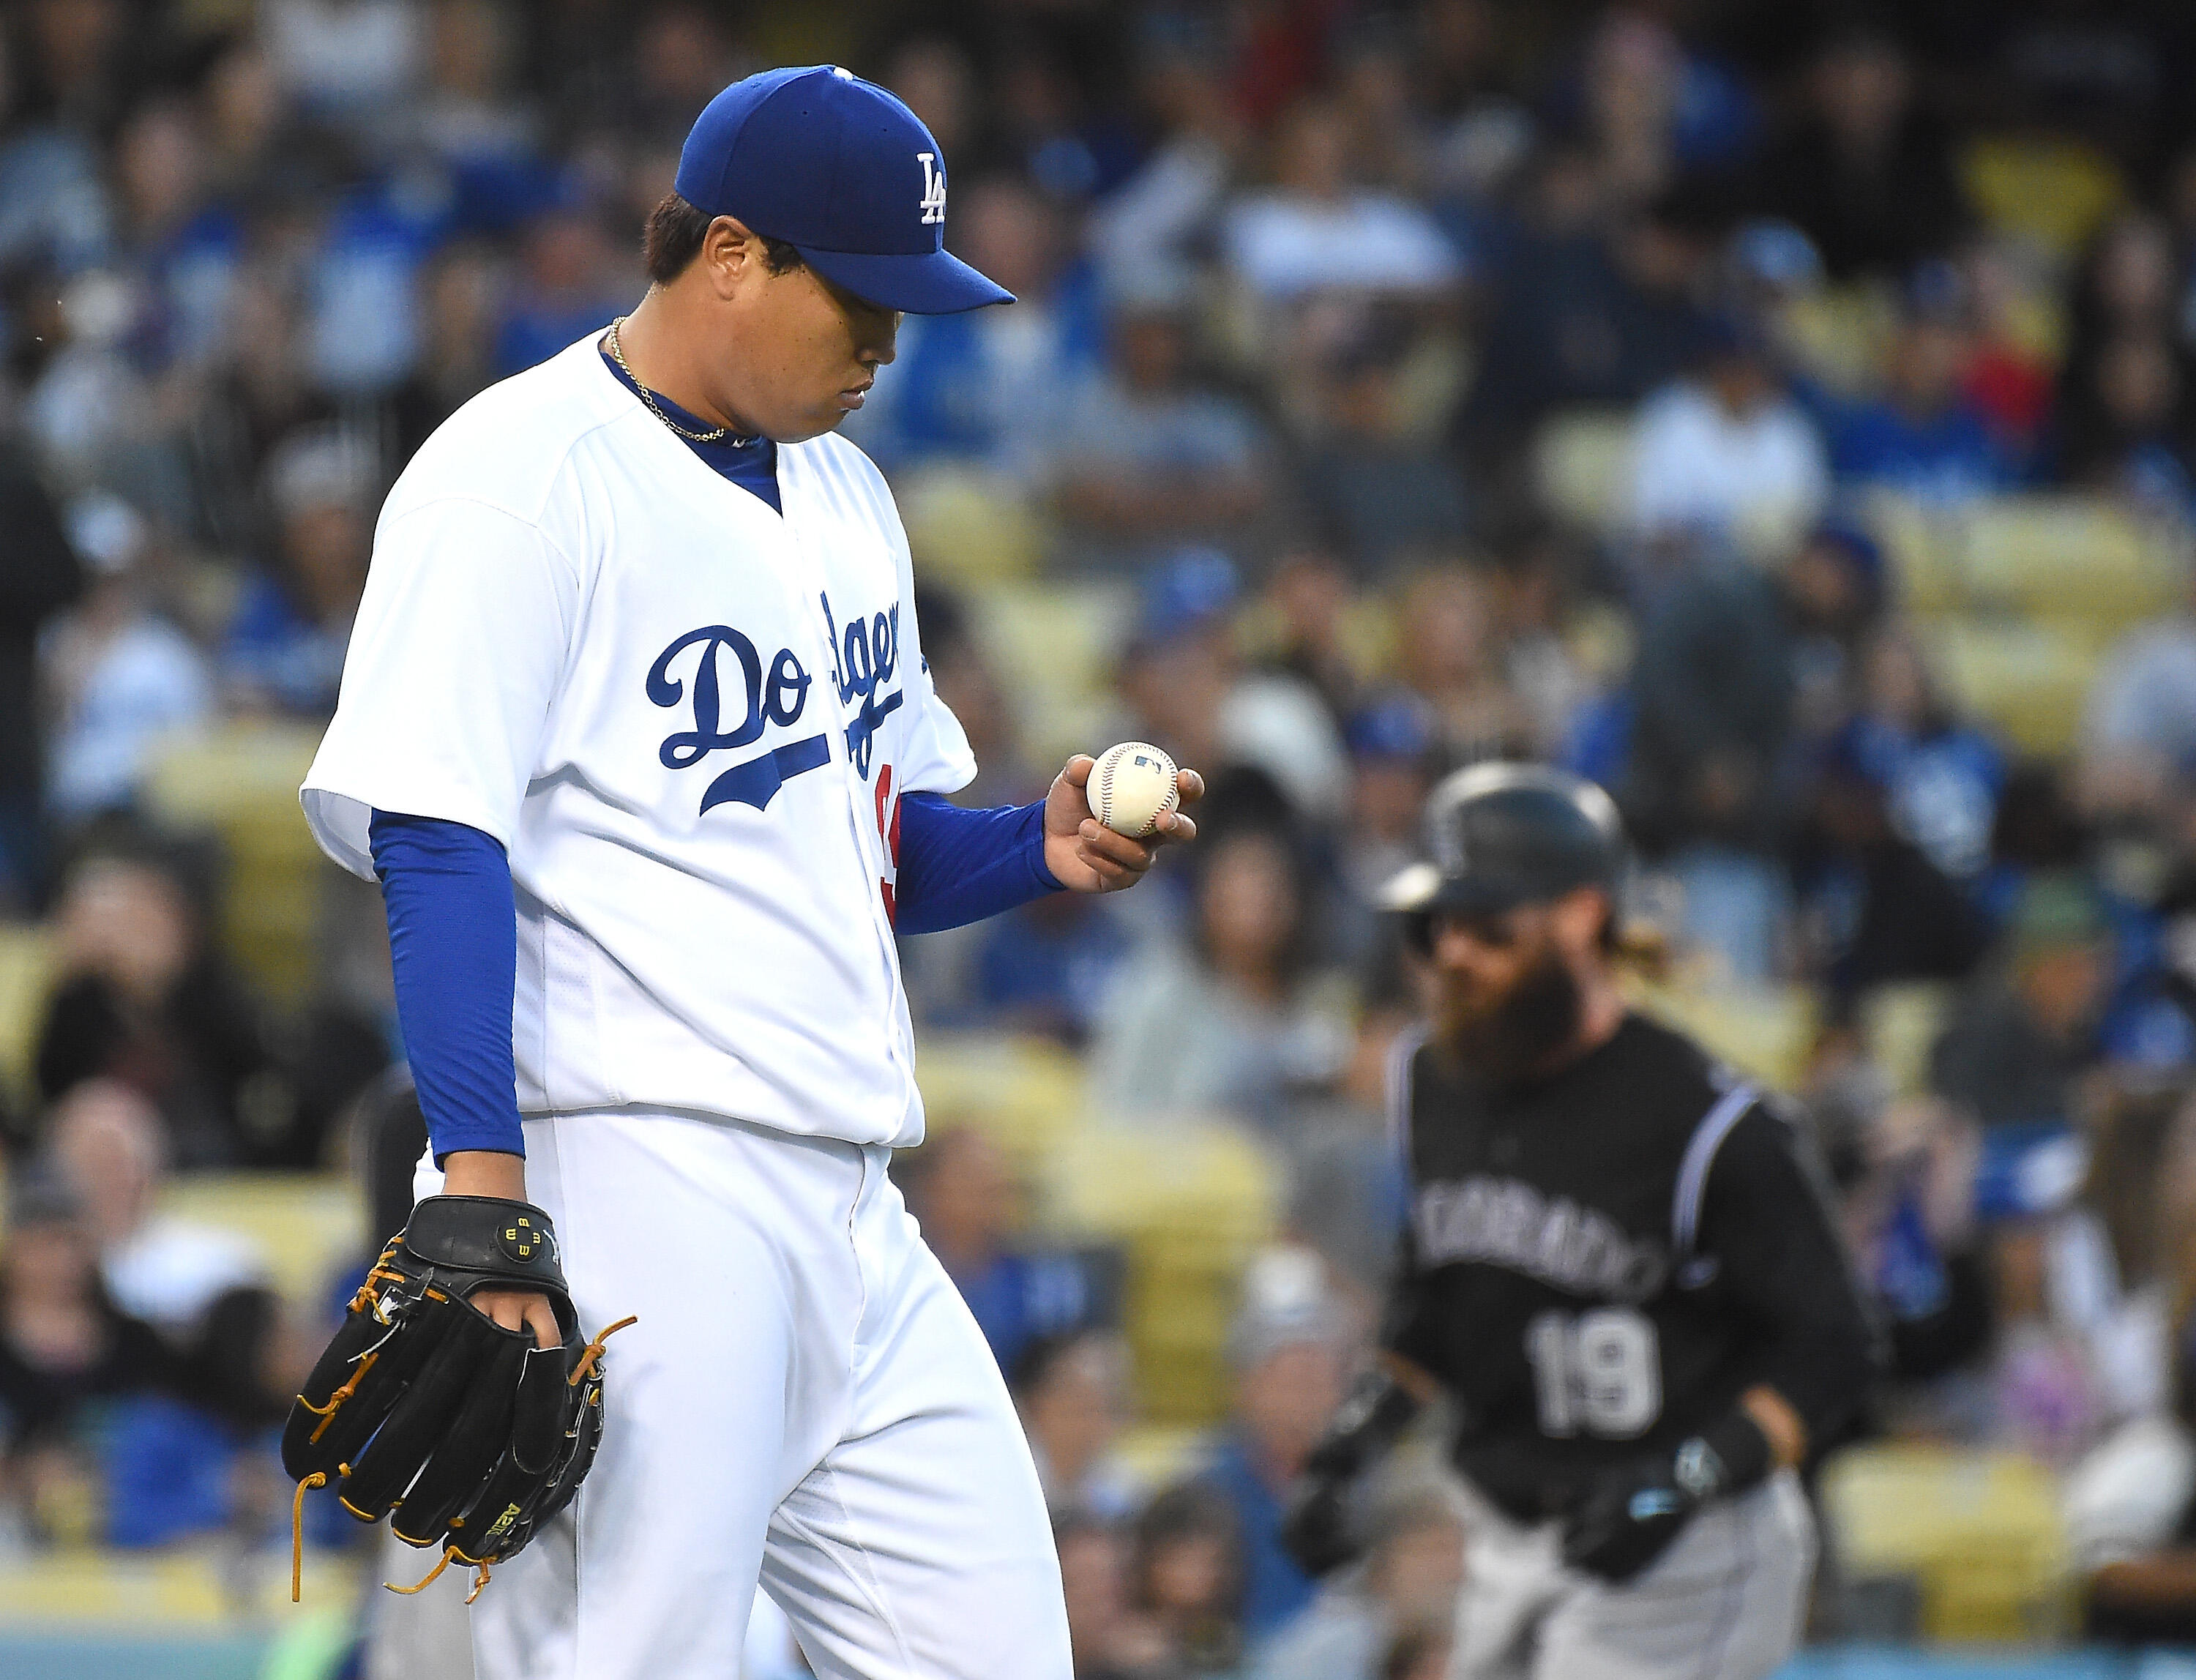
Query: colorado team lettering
[(1501, 1222)]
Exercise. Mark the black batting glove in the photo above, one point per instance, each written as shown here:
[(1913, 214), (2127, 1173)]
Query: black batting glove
[(1633, 1511), (1320, 1528), (1627, 1520)]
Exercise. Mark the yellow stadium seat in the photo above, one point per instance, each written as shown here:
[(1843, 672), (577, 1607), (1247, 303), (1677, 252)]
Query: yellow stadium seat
[(1190, 1203), (1155, 1454), (1922, 554), (1054, 649), (1025, 1094), (1582, 465), (2050, 190), (1366, 634), (241, 783), (1979, 1531), (308, 1225), (2075, 557), (966, 528), (1839, 335), (195, 1586), (1901, 1024), (1765, 1032), (25, 968), (2027, 679)]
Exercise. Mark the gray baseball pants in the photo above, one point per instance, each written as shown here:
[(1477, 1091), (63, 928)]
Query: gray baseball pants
[(1724, 1603)]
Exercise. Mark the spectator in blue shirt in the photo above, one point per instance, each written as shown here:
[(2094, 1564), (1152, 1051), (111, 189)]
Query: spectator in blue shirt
[(990, 389), (183, 245), (1287, 1348), (963, 1192), (286, 643), (1923, 437), (1941, 774), (71, 1364), (1048, 966), (1149, 457), (574, 284)]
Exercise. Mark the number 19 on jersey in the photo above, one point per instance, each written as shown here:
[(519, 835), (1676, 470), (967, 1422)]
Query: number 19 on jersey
[(1599, 1372)]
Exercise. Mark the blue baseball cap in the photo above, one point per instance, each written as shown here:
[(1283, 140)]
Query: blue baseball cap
[(843, 172), (1394, 730), (1184, 594)]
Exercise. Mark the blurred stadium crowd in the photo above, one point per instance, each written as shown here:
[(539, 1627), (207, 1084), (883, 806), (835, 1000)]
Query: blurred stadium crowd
[(1786, 415)]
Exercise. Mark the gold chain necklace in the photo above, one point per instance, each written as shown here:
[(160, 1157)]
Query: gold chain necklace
[(719, 433)]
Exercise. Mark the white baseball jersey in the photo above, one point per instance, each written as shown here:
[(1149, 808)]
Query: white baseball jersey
[(686, 718)]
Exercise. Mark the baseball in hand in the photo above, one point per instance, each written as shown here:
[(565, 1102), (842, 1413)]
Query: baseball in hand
[(1132, 786)]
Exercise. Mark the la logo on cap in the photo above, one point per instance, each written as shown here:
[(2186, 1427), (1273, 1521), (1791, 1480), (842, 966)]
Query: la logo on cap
[(934, 188)]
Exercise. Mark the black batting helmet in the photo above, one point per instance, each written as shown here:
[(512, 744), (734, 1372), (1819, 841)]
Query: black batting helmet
[(1504, 834)]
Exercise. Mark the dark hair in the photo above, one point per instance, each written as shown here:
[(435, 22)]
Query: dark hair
[(1037, 1361), (1190, 1510), (1410, 1650), (673, 236)]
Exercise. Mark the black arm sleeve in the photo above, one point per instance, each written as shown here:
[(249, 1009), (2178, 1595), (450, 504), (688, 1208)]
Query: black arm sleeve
[(1767, 1219), (1406, 1325)]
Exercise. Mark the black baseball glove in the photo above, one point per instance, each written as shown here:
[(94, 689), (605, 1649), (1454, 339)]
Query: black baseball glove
[(1633, 1511), (1319, 1529), (473, 1435)]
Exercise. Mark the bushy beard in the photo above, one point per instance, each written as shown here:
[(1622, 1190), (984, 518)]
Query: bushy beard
[(1520, 1032)]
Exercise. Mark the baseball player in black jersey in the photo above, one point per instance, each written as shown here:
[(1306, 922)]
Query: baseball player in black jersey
[(1618, 1269)]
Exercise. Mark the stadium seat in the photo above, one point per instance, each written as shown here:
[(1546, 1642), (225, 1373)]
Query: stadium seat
[(309, 1227), (1155, 1454), (1025, 1094), (26, 959), (1900, 1024), (1764, 1032), (1054, 649), (1922, 554), (1190, 1203), (1979, 1531), (200, 1589), (241, 784), (1582, 467), (2027, 679), (2067, 557), (2048, 190), (1838, 334), (966, 528), (1187, 1202)]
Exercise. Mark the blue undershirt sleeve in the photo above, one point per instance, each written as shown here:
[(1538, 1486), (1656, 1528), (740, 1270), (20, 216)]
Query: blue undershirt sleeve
[(453, 944), (959, 866)]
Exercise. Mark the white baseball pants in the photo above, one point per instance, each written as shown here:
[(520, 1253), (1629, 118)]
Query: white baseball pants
[(806, 1402), (1724, 1603)]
